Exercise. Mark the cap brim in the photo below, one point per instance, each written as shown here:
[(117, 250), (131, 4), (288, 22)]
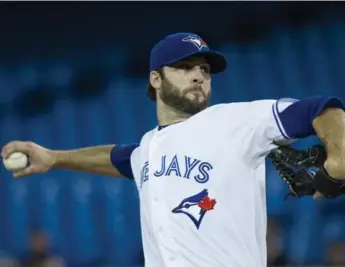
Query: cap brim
[(216, 60)]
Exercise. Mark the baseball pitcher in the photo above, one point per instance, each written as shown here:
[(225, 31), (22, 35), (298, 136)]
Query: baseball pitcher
[(200, 173)]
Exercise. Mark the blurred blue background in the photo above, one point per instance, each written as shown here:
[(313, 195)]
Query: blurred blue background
[(75, 75)]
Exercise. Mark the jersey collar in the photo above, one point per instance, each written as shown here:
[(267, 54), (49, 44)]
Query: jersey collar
[(160, 127)]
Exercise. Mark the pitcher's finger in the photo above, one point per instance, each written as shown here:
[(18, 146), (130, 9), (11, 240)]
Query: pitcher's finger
[(15, 146), (25, 172), (317, 195)]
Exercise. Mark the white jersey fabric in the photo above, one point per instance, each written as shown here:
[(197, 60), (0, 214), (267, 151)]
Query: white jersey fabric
[(201, 184)]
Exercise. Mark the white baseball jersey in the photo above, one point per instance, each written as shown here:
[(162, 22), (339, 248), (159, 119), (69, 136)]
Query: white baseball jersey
[(202, 186)]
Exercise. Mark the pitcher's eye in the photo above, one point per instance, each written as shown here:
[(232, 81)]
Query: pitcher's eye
[(184, 66), (206, 68)]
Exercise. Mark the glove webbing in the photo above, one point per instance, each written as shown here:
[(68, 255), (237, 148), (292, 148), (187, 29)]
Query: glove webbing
[(285, 172)]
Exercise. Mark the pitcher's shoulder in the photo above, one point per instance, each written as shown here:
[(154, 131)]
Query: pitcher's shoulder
[(238, 108), (148, 136)]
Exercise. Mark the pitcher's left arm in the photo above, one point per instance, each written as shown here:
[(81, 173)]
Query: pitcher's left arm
[(290, 120), (329, 126)]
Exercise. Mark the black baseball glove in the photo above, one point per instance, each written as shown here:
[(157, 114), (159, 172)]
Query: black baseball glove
[(303, 171)]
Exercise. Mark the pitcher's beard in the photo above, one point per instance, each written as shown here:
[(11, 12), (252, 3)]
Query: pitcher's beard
[(171, 96)]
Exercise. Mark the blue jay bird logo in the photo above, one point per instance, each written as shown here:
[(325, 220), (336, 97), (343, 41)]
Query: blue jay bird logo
[(199, 43), (195, 207)]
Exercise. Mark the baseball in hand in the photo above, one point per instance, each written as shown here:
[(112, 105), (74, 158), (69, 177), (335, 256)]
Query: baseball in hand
[(16, 161)]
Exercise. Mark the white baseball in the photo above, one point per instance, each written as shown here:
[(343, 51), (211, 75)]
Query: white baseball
[(16, 161)]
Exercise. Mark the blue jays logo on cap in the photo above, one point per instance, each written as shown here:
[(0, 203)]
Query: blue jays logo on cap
[(198, 42), (196, 206)]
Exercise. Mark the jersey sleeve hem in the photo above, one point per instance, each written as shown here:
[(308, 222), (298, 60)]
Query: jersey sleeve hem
[(278, 121), (284, 102)]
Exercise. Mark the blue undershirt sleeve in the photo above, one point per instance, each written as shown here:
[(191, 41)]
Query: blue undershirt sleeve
[(296, 120), (120, 157)]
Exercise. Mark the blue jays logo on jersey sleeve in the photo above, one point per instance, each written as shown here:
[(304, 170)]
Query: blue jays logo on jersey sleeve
[(199, 43), (196, 206)]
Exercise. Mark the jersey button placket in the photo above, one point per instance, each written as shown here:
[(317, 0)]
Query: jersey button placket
[(158, 216), (154, 191)]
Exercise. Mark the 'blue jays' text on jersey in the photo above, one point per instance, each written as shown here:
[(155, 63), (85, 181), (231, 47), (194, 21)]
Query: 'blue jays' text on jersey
[(201, 183)]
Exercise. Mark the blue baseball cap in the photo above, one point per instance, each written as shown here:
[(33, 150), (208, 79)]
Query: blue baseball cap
[(178, 46)]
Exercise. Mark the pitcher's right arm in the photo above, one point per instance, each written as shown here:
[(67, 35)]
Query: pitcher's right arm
[(110, 160)]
